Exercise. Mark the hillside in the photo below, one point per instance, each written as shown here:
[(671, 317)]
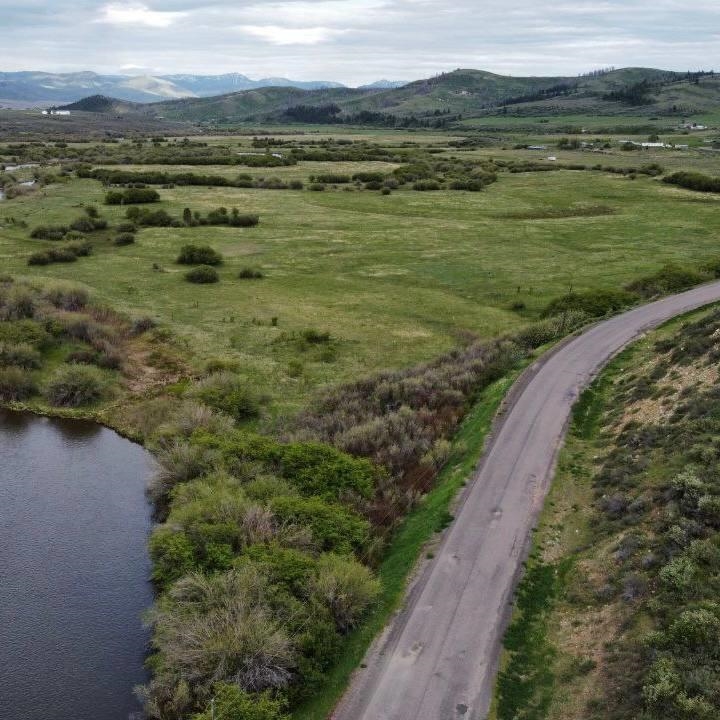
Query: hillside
[(103, 104), (462, 93)]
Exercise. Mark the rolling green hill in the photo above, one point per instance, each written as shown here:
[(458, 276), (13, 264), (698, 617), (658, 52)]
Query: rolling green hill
[(459, 94)]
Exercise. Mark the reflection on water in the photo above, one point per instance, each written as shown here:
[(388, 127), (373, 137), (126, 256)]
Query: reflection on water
[(73, 570)]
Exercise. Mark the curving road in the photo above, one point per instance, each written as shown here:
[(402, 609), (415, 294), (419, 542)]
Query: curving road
[(438, 659)]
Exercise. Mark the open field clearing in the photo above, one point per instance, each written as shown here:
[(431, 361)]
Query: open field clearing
[(395, 279)]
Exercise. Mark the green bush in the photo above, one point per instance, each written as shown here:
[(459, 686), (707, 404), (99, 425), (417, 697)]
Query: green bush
[(426, 185), (228, 393), (49, 232), (16, 384), (694, 181), (669, 279), (594, 303), (19, 355), (232, 703), (250, 274), (66, 296), (333, 179), (322, 470), (75, 385), (199, 255), (124, 239), (333, 527), (172, 556), (132, 196), (346, 587), (202, 275)]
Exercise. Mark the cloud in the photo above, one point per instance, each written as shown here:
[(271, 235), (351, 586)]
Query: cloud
[(137, 14), (317, 13), (356, 41), (278, 35)]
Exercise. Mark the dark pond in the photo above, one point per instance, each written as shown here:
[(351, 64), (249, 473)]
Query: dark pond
[(74, 570)]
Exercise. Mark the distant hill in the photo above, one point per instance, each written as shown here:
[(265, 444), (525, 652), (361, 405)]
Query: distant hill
[(461, 94), (104, 104), (28, 88), (445, 99)]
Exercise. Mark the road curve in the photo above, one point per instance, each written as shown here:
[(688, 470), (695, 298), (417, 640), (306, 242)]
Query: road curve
[(438, 659)]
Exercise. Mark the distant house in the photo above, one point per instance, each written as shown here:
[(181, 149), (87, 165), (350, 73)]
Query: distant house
[(693, 126), (537, 147), (646, 145), (55, 112)]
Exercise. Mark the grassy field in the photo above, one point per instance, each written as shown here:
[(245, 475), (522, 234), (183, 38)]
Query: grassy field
[(395, 279)]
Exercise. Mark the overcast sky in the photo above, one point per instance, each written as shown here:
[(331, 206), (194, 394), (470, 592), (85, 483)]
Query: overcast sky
[(356, 41)]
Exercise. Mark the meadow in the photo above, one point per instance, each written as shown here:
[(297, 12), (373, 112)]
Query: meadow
[(395, 279)]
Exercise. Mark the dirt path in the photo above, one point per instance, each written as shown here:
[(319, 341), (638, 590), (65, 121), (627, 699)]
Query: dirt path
[(439, 658)]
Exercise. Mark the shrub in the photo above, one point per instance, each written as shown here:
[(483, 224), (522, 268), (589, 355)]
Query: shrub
[(346, 587), (232, 703), (202, 275), (127, 227), (425, 185), (199, 255), (16, 384), (66, 296), (366, 177), (179, 462), (75, 385), (220, 628), (333, 527), (18, 304), (144, 217), (315, 337), (669, 279), (237, 219), (694, 181), (317, 187), (132, 196), (49, 232), (250, 274), (227, 392), (124, 239), (594, 303), (19, 355), (333, 179)]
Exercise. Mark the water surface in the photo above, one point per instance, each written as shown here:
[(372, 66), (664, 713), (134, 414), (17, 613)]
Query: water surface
[(73, 570)]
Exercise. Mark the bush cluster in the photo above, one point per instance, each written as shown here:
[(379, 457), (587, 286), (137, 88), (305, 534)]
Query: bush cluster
[(202, 275), (132, 196), (199, 255), (69, 252), (694, 181)]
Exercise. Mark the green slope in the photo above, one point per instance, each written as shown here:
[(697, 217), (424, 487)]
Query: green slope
[(466, 93)]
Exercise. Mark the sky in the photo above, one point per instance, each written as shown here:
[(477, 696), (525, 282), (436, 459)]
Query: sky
[(357, 41)]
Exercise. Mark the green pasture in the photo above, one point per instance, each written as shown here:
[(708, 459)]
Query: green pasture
[(395, 279)]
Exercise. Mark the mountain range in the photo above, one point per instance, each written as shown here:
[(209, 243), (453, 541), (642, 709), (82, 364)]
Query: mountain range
[(32, 88), (442, 99)]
